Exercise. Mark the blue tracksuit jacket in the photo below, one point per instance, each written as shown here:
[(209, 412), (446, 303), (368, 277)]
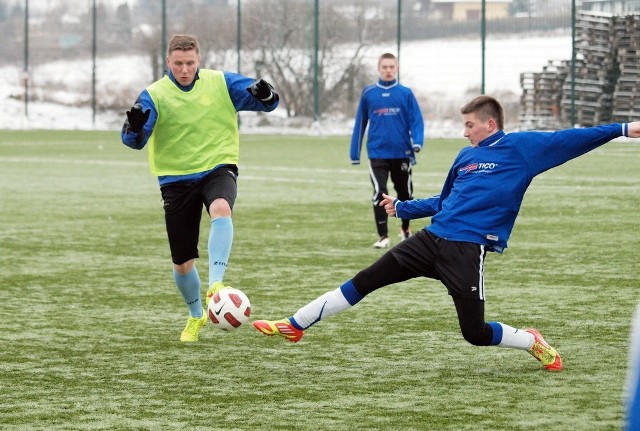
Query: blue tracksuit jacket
[(482, 194), (395, 122)]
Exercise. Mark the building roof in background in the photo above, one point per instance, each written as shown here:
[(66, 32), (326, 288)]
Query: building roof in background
[(471, 1)]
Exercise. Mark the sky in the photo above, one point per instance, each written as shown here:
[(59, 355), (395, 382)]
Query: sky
[(440, 73)]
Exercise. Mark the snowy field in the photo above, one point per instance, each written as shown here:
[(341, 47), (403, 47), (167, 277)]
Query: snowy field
[(443, 74)]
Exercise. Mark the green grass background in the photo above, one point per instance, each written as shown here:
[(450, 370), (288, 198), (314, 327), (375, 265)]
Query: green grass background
[(90, 318)]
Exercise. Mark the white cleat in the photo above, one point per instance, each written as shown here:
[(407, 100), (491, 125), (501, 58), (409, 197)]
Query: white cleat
[(383, 243)]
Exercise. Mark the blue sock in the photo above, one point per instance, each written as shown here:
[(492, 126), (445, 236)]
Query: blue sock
[(350, 293), (189, 287), (497, 333), (220, 240)]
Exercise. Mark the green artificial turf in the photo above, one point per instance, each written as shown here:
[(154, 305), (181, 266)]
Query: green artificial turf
[(90, 318)]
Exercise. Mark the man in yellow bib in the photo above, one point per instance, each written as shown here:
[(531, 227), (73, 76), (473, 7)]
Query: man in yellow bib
[(188, 121)]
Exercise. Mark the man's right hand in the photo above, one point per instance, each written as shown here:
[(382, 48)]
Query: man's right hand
[(388, 203), (136, 118)]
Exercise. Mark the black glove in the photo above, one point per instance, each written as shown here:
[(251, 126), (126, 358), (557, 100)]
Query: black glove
[(262, 90), (136, 118)]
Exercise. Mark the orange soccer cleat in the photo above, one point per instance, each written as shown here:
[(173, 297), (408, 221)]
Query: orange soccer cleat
[(283, 327), (543, 352)]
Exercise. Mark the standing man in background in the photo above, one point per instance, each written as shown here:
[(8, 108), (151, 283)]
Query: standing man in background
[(188, 118), (396, 133)]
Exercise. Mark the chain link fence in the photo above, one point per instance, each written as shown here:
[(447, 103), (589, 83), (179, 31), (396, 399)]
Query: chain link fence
[(552, 63)]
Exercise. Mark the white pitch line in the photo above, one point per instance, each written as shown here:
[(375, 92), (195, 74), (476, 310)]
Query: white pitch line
[(301, 180), (50, 161), (597, 184), (243, 168)]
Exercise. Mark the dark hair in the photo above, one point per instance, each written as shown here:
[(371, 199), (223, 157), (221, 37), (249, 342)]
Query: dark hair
[(387, 55), (183, 42), (485, 107)]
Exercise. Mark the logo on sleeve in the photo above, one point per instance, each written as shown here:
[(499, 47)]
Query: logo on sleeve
[(468, 168)]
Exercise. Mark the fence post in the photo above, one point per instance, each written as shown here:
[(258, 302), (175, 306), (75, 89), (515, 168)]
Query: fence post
[(399, 35), (316, 104), (25, 76), (573, 63), (483, 36), (93, 68), (238, 34), (238, 45), (163, 43)]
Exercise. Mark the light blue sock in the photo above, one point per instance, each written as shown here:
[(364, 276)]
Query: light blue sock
[(220, 240), (189, 287)]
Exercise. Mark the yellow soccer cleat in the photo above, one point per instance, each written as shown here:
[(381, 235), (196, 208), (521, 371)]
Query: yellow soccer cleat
[(215, 286), (283, 327), (193, 328), (544, 353)]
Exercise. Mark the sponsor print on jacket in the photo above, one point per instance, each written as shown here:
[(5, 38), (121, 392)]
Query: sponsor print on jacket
[(477, 168), (386, 111)]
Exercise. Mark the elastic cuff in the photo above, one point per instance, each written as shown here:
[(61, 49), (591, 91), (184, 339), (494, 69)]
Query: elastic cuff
[(268, 98), (295, 324), (497, 333), (350, 293)]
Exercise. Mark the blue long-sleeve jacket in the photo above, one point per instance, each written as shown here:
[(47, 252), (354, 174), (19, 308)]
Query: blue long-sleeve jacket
[(240, 97), (484, 189), (394, 119)]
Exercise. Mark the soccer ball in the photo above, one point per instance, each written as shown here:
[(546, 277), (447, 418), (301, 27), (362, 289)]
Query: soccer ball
[(229, 308)]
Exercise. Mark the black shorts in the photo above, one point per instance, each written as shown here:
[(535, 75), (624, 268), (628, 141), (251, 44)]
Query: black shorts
[(183, 203), (458, 265)]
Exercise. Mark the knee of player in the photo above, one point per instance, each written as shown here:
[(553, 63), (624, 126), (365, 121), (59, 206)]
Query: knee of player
[(476, 337), (185, 267), (219, 208)]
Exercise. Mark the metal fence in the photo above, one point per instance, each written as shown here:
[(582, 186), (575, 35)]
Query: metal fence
[(551, 62)]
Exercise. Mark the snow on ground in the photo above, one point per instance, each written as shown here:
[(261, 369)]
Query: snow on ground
[(442, 73)]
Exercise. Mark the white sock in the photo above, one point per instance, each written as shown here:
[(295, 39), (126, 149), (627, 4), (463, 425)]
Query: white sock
[(515, 338), (325, 305)]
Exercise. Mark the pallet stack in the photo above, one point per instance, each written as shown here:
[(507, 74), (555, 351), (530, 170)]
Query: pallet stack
[(596, 73), (541, 96), (626, 96), (607, 77)]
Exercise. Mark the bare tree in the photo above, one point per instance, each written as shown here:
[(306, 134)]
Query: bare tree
[(280, 34)]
